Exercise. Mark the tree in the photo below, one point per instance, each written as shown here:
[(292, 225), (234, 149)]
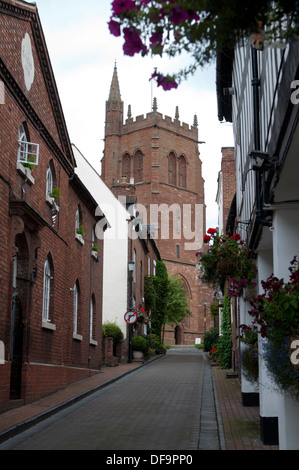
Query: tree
[(156, 293), (199, 27), (166, 299), (177, 302)]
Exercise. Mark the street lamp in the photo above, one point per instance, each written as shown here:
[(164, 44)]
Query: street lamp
[(205, 315)]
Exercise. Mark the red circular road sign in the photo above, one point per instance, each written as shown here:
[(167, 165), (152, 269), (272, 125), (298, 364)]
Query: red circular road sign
[(131, 317)]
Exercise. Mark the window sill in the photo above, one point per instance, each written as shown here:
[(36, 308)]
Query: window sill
[(24, 171), (51, 202), (95, 255), (79, 238), (77, 337), (92, 342), (47, 325)]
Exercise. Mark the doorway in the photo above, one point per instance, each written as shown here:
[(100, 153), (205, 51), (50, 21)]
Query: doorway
[(16, 339)]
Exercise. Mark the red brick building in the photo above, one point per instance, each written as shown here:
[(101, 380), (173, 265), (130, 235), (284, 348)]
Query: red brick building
[(226, 189), (159, 157), (50, 286)]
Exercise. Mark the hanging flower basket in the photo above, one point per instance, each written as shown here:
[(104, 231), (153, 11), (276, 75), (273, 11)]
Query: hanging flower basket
[(227, 259), (226, 267)]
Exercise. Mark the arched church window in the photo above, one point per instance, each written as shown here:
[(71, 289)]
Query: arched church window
[(126, 167), (172, 169), (182, 172), (138, 167)]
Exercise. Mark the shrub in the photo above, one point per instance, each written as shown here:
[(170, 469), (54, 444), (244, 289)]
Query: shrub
[(112, 330), (139, 343), (210, 339)]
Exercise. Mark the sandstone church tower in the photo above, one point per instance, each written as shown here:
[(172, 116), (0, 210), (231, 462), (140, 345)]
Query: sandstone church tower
[(158, 157)]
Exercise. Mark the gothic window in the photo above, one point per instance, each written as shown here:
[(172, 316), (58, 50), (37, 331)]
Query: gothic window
[(182, 172), (91, 317), (172, 168), (76, 308), (47, 291), (138, 167), (49, 180), (126, 167)]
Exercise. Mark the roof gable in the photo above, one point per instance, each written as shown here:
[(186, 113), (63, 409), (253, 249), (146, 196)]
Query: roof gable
[(26, 70)]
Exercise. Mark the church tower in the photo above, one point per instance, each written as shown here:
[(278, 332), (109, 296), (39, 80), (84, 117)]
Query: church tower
[(157, 159)]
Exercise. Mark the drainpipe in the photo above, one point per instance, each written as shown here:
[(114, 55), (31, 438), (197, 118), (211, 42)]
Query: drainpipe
[(257, 144)]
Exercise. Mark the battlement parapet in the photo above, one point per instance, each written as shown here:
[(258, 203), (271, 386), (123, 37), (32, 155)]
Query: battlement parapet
[(155, 119)]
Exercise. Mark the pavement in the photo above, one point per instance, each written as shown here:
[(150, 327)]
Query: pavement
[(239, 426)]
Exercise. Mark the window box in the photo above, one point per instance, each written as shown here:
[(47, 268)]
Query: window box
[(79, 238), (51, 201), (47, 325), (25, 171), (95, 255)]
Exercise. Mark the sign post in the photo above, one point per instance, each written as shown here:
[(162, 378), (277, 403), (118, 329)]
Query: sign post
[(130, 319)]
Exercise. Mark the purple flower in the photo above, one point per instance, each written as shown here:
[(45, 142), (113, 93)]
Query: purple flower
[(156, 38), (133, 44), (166, 82), (118, 6), (114, 28)]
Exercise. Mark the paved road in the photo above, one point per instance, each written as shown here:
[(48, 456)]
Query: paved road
[(166, 405)]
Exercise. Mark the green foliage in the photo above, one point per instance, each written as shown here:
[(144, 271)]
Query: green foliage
[(177, 302), (210, 339), (112, 330), (55, 194), (227, 260), (276, 317), (139, 343), (225, 340), (28, 164), (165, 298), (80, 231)]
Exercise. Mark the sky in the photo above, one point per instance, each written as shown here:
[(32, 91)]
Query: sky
[(83, 54)]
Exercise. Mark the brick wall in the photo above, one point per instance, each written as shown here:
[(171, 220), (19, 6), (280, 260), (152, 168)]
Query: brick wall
[(50, 355)]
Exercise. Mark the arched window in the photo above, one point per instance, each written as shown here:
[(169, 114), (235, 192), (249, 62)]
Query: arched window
[(50, 180), (91, 317), (182, 172), (126, 167), (172, 169), (47, 291), (138, 167), (75, 308)]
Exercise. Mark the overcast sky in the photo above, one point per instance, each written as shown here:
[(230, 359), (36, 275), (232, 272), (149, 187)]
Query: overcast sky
[(83, 53)]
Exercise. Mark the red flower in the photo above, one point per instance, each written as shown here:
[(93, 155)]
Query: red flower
[(236, 237), (212, 231), (206, 239)]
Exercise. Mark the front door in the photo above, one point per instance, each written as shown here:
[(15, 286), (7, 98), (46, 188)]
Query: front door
[(16, 340)]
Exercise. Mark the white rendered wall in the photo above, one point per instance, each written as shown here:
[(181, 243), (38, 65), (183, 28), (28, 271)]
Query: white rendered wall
[(285, 241)]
